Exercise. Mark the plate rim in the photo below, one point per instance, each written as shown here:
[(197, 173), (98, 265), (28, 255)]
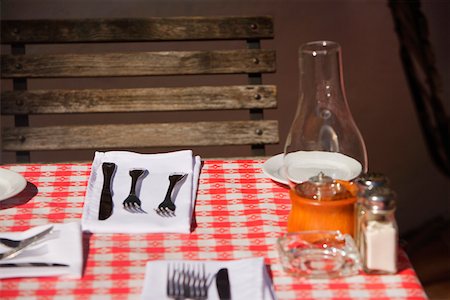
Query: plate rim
[(13, 177), (273, 159)]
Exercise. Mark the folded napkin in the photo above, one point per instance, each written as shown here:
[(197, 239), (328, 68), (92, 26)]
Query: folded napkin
[(152, 188), (248, 278), (60, 253)]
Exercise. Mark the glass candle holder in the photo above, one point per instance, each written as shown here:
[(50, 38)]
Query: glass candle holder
[(323, 136), (319, 254)]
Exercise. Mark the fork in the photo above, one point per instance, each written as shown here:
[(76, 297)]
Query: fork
[(187, 281), (167, 207), (132, 203)]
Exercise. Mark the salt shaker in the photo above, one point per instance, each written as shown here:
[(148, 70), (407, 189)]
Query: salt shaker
[(379, 232), (365, 182)]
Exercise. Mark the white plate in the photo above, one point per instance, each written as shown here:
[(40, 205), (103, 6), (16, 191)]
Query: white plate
[(11, 183), (305, 164), (273, 168)]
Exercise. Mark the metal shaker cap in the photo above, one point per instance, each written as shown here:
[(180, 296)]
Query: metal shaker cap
[(379, 199), (372, 180)]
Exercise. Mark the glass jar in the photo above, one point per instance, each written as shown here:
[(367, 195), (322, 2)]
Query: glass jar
[(322, 203), (379, 232)]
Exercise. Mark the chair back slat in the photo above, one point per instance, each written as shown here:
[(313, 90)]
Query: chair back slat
[(138, 100), (136, 30), (180, 134), (138, 64)]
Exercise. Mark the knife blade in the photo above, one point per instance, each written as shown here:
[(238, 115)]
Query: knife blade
[(32, 265), (106, 203), (25, 243), (223, 284)]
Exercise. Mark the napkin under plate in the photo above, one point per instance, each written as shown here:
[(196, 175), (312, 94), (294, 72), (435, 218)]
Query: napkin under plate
[(248, 277), (60, 253), (152, 189)]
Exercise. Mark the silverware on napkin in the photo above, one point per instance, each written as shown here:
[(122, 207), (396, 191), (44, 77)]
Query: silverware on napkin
[(132, 203), (25, 243), (167, 207), (106, 203), (223, 284)]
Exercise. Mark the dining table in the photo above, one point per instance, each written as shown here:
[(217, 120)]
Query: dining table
[(239, 213)]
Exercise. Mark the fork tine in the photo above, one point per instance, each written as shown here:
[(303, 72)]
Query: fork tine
[(169, 213), (126, 206), (136, 207), (173, 288), (169, 281), (203, 282), (200, 286), (164, 212), (133, 207), (187, 280), (141, 210), (196, 283)]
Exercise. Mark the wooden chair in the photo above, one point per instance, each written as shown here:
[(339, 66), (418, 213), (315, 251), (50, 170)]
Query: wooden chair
[(93, 49)]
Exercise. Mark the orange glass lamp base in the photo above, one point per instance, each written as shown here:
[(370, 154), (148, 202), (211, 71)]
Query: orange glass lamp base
[(309, 214)]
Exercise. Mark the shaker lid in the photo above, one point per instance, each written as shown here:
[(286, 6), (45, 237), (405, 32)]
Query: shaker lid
[(322, 187), (371, 180), (379, 199)]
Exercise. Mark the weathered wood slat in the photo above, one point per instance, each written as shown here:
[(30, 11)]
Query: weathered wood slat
[(138, 100), (138, 29), (140, 135), (138, 63)]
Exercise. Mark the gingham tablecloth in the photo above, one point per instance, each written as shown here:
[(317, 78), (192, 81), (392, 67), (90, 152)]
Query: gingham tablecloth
[(239, 214)]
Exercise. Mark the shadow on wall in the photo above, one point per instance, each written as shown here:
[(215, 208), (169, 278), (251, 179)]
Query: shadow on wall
[(423, 79)]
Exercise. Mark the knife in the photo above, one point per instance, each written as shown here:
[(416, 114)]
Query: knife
[(223, 284), (33, 265), (106, 203), (25, 243)]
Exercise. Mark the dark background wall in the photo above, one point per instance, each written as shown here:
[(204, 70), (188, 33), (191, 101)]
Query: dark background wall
[(375, 83)]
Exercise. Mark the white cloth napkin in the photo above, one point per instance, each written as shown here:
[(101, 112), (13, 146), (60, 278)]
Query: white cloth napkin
[(248, 278), (152, 190), (63, 245)]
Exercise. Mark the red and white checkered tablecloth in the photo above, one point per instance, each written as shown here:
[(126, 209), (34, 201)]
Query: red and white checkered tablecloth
[(239, 214)]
